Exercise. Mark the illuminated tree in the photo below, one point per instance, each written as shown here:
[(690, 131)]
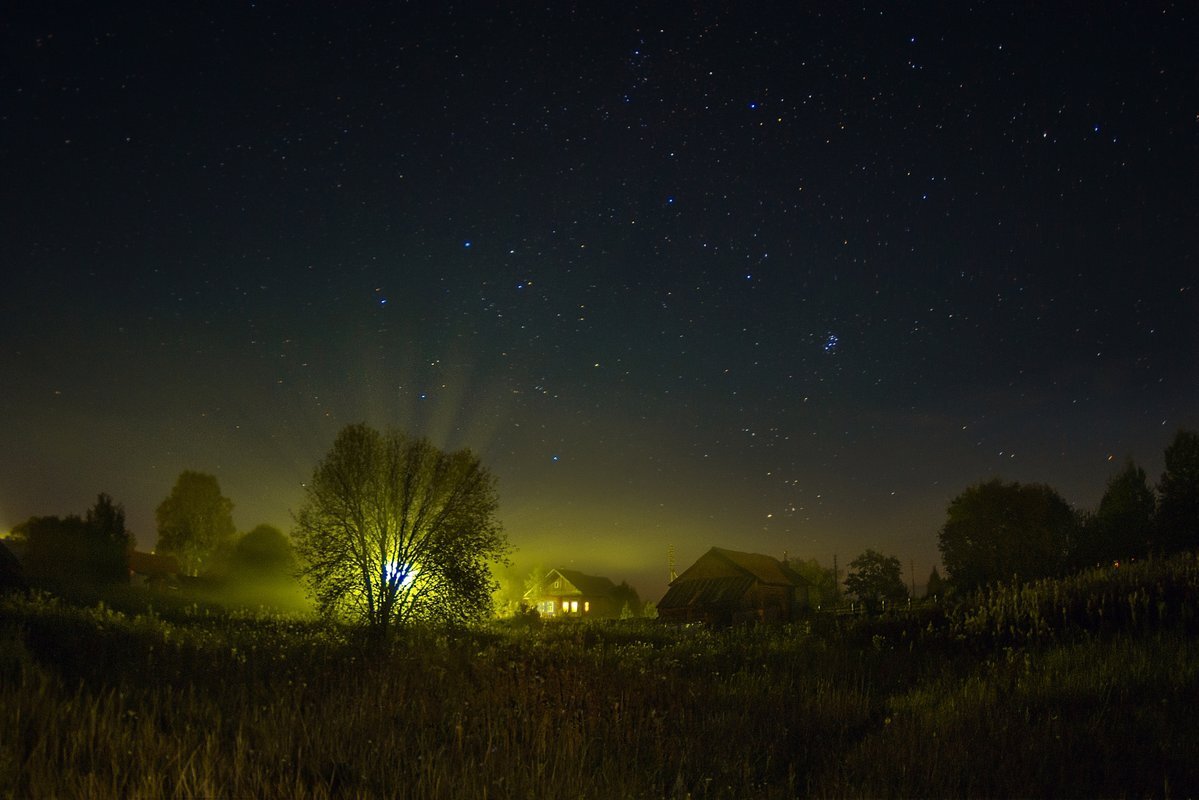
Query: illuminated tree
[(195, 520), (876, 579), (394, 530), (999, 531), (1178, 513)]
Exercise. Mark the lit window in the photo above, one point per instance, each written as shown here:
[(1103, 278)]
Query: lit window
[(586, 606), (574, 606)]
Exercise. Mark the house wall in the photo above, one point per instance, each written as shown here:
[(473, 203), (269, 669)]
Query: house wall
[(592, 607)]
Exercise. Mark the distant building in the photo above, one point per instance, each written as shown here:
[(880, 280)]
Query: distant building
[(727, 586), (152, 570), (570, 593), (12, 573)]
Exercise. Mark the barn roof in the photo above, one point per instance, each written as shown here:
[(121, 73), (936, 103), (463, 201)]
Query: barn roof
[(705, 591), (734, 563)]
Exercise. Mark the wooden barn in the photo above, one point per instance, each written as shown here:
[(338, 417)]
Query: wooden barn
[(570, 593), (727, 586)]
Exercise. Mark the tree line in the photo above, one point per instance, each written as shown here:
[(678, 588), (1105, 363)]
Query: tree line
[(194, 526), (1002, 531), (999, 531)]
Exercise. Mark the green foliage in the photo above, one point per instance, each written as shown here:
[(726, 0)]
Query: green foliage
[(195, 521), (1142, 597), (392, 530), (876, 580), (998, 530), (1178, 514)]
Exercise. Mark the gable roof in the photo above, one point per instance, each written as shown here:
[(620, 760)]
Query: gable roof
[(587, 584), (705, 591), (734, 563), (584, 584)]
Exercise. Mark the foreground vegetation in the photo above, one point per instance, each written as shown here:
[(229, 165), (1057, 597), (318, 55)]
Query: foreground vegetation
[(1079, 687)]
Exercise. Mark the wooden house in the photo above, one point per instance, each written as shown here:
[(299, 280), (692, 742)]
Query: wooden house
[(566, 593), (728, 586)]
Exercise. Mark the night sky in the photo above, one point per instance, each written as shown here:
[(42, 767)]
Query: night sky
[(763, 276)]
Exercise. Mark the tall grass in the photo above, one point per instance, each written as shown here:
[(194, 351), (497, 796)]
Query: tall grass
[(96, 702)]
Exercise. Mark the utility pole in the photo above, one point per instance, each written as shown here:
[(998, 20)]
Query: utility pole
[(670, 565), (912, 570)]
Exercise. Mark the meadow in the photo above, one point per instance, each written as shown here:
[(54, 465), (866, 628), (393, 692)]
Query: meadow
[(1081, 687)]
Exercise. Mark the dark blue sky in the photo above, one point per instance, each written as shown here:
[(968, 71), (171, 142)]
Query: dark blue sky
[(788, 277)]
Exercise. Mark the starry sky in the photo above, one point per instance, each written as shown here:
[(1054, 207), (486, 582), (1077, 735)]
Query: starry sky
[(773, 277)]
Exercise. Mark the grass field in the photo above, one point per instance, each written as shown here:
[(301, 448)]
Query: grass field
[(1076, 688)]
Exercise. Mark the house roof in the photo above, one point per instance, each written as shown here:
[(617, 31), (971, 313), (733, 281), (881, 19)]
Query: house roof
[(759, 567), (580, 582)]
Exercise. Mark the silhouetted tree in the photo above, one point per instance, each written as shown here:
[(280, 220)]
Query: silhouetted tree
[(997, 531), (822, 584), (627, 601), (52, 547), (1123, 525), (108, 542), (875, 579), (935, 589), (265, 552), (392, 529), (70, 551), (194, 521), (1178, 512)]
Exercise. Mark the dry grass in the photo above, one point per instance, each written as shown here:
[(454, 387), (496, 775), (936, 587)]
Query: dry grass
[(96, 703)]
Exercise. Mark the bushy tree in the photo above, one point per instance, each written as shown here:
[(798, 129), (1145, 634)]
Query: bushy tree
[(875, 580), (265, 552), (1123, 525), (627, 600), (52, 546), (392, 529), (108, 542), (822, 587), (70, 550), (997, 531), (195, 521), (1178, 512)]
